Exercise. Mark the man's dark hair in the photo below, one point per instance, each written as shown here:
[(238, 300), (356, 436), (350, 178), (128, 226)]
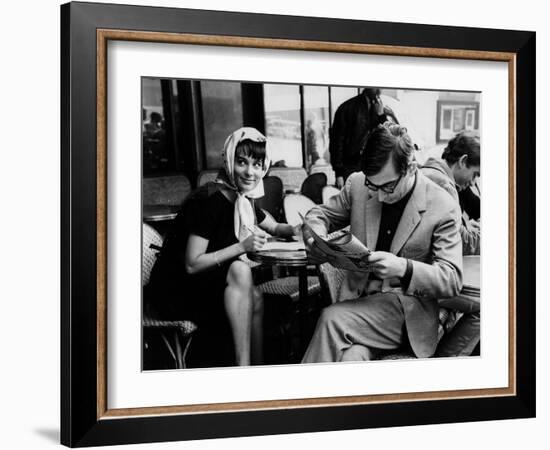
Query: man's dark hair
[(252, 149), (385, 141), (464, 143)]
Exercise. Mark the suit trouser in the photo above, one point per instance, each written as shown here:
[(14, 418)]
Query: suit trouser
[(376, 321)]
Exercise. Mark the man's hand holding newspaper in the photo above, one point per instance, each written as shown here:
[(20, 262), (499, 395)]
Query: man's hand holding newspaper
[(342, 250)]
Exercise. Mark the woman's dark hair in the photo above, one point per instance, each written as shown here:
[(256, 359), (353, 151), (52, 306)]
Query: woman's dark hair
[(385, 141), (464, 143), (252, 149)]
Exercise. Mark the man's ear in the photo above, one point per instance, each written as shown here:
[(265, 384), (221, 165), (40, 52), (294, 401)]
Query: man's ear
[(463, 160)]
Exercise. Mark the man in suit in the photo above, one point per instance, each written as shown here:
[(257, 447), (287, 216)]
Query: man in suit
[(413, 226)]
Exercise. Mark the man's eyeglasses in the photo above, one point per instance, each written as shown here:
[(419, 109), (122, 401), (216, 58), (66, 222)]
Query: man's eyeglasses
[(388, 187)]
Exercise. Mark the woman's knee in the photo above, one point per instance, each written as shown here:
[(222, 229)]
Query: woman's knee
[(239, 274)]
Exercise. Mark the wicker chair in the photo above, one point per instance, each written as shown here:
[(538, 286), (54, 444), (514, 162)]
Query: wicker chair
[(176, 334), (313, 185), (272, 201), (331, 280), (167, 190), (292, 177), (206, 176), (327, 170)]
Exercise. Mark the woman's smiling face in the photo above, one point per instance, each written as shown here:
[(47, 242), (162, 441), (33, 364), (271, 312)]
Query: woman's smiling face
[(247, 172)]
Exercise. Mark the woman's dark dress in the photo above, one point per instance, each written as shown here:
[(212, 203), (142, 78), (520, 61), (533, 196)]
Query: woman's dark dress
[(175, 295)]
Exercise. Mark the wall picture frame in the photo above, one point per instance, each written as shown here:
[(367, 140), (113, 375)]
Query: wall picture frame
[(91, 411), (454, 116)]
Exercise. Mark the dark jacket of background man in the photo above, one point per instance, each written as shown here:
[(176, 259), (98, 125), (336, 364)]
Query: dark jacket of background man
[(353, 120)]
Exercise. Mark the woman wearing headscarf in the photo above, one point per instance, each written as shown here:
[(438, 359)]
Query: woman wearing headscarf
[(200, 274)]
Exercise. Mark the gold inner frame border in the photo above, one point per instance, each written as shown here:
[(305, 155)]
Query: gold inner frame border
[(104, 35)]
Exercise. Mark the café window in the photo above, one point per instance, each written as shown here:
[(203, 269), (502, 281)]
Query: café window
[(222, 113), (283, 124), (316, 114), (161, 127)]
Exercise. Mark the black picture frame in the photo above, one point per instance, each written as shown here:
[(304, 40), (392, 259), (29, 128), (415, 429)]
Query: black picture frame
[(84, 418)]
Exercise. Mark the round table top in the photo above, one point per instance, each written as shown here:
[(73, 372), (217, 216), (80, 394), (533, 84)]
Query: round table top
[(157, 213), (280, 257)]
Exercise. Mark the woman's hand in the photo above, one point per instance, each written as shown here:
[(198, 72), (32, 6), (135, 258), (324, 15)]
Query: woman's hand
[(255, 241)]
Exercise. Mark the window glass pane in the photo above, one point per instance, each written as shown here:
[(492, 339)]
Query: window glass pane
[(282, 124), (222, 114), (316, 117), (156, 154), (339, 95)]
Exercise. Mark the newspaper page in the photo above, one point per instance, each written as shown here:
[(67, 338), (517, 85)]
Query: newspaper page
[(343, 250)]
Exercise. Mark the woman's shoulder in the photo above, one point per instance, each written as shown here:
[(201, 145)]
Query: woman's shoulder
[(207, 192), (208, 196)]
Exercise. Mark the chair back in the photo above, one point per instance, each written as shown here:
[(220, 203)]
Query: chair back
[(149, 255), (292, 177), (331, 280), (294, 205), (313, 185), (206, 176), (166, 190), (272, 201), (329, 192), (327, 170)]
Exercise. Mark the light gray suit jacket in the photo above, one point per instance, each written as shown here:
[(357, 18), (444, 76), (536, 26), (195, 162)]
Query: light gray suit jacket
[(428, 234)]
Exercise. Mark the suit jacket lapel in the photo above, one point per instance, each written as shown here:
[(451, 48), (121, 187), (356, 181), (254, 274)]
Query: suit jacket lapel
[(411, 215)]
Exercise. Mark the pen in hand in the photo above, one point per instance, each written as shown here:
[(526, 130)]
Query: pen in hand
[(255, 241)]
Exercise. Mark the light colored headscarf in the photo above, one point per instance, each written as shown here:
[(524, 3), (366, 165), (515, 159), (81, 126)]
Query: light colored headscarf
[(243, 217)]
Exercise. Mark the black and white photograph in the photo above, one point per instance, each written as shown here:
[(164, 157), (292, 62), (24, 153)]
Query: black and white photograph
[(272, 224), (301, 223)]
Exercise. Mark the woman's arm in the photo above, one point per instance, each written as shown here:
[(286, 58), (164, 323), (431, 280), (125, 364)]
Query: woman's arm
[(197, 260), (277, 229)]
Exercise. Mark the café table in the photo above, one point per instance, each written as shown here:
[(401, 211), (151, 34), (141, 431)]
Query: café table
[(159, 213), (468, 301), (281, 257)]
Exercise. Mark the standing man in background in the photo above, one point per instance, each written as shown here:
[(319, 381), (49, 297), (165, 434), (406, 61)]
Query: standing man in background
[(353, 121)]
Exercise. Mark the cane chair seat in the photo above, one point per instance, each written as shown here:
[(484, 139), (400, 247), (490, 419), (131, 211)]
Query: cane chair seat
[(288, 287), (176, 334)]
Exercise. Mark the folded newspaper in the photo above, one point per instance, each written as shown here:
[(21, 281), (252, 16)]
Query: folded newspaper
[(342, 250)]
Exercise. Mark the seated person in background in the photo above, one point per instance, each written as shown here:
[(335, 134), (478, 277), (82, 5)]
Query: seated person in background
[(199, 274), (456, 172), (470, 200), (414, 227)]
